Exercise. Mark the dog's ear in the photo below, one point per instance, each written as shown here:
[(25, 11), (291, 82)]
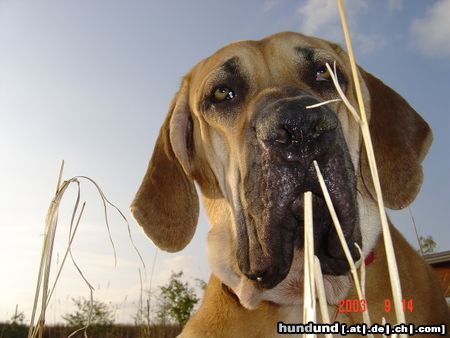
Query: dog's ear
[(401, 139), (166, 204)]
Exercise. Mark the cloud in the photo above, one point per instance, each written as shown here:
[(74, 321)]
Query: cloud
[(368, 43), (321, 18), (431, 33), (268, 5), (395, 5)]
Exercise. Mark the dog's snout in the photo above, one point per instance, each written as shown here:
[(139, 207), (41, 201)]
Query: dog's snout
[(288, 126), (294, 129), (291, 122)]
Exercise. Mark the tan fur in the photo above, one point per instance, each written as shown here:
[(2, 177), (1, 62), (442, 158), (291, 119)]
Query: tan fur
[(220, 314), (401, 153), (208, 149), (155, 200)]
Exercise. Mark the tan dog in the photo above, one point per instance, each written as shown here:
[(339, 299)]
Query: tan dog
[(239, 128)]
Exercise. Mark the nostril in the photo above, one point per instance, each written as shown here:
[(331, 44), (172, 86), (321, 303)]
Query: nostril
[(323, 126), (282, 136), (276, 136)]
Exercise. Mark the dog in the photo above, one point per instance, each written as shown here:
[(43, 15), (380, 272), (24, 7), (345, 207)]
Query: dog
[(240, 129)]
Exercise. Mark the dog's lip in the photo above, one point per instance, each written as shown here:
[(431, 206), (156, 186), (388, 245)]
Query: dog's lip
[(327, 246), (297, 207), (322, 221)]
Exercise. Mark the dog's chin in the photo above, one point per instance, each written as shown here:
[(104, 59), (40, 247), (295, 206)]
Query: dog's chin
[(290, 290)]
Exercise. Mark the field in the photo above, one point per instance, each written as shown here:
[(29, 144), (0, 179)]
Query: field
[(113, 331)]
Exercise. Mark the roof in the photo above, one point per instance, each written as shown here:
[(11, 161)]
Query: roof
[(436, 258)]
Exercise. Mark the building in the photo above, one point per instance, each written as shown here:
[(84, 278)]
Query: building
[(440, 262)]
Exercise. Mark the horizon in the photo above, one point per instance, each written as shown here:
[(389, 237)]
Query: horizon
[(91, 83)]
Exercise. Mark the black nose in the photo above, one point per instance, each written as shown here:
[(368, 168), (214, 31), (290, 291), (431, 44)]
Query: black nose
[(294, 130)]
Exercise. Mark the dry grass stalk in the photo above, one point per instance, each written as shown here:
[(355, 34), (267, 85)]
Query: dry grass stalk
[(362, 269), (391, 260), (150, 291), (71, 237), (342, 240), (321, 294), (51, 223), (58, 183), (415, 230), (322, 103), (347, 103), (309, 297), (140, 313), (107, 202)]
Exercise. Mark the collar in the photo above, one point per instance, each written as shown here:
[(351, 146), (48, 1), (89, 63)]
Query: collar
[(370, 258)]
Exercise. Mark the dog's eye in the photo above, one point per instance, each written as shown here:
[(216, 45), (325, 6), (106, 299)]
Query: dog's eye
[(324, 80), (223, 93), (323, 74)]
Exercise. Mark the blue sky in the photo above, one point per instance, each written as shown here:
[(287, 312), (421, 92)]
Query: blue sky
[(90, 82)]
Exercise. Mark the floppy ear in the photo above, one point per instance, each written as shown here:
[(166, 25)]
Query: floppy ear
[(401, 139), (166, 204)]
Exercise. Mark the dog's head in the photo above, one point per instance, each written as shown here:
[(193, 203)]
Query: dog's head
[(240, 127)]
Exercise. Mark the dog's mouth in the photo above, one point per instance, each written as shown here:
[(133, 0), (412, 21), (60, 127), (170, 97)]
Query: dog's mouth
[(270, 221), (327, 246), (269, 235)]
